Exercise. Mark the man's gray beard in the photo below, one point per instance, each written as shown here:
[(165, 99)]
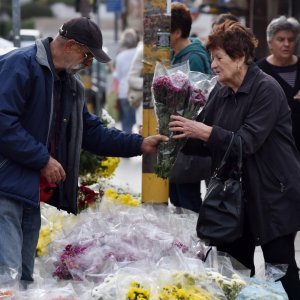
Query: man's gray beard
[(75, 69)]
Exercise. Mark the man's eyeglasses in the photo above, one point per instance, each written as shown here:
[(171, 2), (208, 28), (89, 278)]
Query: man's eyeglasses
[(88, 56)]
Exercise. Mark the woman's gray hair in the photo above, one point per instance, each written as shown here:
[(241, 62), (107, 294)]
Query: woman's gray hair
[(282, 23), (129, 38)]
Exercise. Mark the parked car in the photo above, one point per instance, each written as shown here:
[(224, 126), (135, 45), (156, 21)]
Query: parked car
[(29, 36)]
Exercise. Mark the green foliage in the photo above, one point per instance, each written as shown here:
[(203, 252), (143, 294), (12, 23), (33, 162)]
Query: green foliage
[(29, 24), (89, 163), (6, 6), (67, 2), (31, 9), (5, 28)]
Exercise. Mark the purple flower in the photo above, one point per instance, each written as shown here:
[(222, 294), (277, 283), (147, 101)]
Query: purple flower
[(171, 90), (198, 97), (176, 93), (180, 246), (68, 260)]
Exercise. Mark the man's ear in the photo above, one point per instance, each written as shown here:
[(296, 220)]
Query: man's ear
[(178, 33), (69, 44)]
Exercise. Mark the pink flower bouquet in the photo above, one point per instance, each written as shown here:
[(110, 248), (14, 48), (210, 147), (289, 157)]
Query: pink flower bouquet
[(177, 90)]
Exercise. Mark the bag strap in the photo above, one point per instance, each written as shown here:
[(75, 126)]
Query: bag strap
[(240, 158), (224, 159)]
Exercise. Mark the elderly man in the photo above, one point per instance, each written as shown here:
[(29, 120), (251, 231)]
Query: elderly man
[(44, 123)]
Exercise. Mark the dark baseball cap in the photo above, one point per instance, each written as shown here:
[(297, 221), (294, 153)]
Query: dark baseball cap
[(86, 32)]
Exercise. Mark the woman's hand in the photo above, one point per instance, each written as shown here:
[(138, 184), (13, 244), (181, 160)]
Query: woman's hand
[(297, 96), (185, 128)]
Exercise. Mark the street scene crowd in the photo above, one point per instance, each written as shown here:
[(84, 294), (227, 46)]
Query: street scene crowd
[(227, 130)]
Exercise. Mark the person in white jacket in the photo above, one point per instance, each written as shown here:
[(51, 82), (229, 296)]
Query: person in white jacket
[(135, 84), (129, 40)]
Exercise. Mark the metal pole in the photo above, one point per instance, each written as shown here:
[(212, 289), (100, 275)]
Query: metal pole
[(290, 8), (251, 11), (98, 106), (116, 26), (16, 16), (85, 8), (156, 48)]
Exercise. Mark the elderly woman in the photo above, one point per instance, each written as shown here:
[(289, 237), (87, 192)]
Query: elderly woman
[(251, 104), (284, 65)]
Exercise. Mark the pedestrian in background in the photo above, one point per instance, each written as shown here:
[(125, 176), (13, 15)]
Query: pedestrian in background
[(221, 18), (284, 65), (136, 84), (188, 170), (129, 41), (253, 106), (44, 123)]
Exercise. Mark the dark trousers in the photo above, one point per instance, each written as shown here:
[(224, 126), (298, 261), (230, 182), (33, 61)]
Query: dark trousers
[(278, 251), (186, 195)]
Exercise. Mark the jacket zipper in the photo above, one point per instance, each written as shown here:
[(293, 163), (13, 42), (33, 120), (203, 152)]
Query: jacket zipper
[(282, 187)]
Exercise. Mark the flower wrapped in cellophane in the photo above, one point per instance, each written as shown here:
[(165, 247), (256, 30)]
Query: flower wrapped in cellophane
[(177, 91)]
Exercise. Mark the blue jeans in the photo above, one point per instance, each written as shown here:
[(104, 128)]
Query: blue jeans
[(20, 226), (127, 115)]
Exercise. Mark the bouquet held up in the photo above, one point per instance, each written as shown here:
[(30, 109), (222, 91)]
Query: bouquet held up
[(177, 91)]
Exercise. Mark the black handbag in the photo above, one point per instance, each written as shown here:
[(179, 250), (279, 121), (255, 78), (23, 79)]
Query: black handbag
[(221, 215)]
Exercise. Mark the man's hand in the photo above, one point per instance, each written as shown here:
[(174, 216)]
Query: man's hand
[(53, 171), (150, 143)]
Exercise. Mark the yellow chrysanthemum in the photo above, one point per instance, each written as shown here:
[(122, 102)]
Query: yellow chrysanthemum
[(126, 199), (187, 293), (137, 292), (47, 234), (108, 166), (111, 193)]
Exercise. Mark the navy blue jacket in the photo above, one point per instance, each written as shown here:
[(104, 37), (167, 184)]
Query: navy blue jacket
[(26, 108)]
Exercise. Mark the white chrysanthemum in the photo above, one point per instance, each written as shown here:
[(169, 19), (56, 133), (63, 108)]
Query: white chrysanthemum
[(107, 119)]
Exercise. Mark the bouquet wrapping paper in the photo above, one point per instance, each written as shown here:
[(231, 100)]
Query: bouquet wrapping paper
[(177, 91)]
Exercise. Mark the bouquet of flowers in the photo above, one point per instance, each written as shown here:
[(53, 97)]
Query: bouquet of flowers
[(69, 260), (177, 91), (137, 292), (88, 197)]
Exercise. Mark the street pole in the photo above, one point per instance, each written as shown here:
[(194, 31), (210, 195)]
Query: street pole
[(98, 107), (116, 26), (85, 8), (16, 16), (157, 25)]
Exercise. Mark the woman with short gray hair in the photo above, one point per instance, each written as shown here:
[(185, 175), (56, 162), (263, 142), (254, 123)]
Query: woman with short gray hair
[(282, 23), (284, 65)]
